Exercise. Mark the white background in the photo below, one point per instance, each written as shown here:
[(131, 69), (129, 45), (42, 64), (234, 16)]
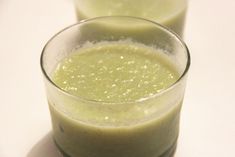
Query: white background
[(208, 115)]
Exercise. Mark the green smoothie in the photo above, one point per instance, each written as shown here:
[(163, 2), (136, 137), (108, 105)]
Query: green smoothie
[(114, 111), (170, 13)]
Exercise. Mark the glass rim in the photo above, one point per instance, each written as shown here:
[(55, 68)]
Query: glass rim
[(164, 28)]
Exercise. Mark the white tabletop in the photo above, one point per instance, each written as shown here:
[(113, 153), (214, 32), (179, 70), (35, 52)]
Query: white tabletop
[(208, 114)]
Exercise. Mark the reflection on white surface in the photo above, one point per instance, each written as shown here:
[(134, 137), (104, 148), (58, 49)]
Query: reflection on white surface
[(45, 148)]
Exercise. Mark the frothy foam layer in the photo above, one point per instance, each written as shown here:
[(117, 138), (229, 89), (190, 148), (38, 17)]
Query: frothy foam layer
[(115, 72)]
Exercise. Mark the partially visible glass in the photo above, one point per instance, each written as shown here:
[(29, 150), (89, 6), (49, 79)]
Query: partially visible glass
[(170, 13), (87, 134)]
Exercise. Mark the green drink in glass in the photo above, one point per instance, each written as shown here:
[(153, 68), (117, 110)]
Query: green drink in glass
[(170, 13), (115, 97)]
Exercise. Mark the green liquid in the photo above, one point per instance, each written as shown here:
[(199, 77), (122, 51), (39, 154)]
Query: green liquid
[(114, 73), (120, 76), (170, 13)]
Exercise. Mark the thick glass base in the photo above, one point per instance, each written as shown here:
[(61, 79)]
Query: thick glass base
[(169, 153)]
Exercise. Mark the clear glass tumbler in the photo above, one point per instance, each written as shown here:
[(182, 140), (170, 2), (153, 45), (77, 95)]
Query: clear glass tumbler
[(170, 13), (148, 127)]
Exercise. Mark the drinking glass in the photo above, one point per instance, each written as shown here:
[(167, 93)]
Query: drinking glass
[(148, 127), (170, 13)]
